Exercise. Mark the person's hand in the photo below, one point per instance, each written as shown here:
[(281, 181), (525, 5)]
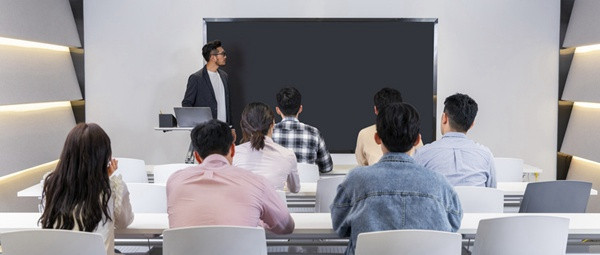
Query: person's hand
[(113, 165)]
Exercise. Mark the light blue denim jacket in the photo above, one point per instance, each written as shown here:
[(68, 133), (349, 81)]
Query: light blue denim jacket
[(394, 193)]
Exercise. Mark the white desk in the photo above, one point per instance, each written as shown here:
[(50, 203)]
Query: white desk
[(345, 169), (310, 225), (509, 189), (310, 190)]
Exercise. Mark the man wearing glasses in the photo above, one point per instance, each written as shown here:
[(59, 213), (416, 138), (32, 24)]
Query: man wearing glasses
[(208, 87)]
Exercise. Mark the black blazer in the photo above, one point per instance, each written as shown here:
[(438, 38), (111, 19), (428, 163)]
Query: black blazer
[(200, 93)]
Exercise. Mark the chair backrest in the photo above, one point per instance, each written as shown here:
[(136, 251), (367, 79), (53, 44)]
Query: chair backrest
[(480, 199), (343, 159), (308, 172), (223, 240), (326, 191), (410, 241), (163, 172), (132, 170), (556, 197), (509, 169), (522, 235), (51, 241), (148, 197)]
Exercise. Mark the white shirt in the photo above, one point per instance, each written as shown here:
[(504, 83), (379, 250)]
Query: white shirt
[(219, 89), (274, 162)]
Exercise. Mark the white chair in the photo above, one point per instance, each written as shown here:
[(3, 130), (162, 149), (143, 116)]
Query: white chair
[(326, 191), (308, 172), (410, 241), (51, 241), (132, 170), (344, 159), (148, 197), (480, 199), (163, 172), (509, 169), (522, 235), (222, 240)]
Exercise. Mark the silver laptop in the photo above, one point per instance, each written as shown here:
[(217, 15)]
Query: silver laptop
[(192, 116)]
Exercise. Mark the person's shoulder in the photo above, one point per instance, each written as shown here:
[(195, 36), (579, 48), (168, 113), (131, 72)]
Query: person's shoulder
[(181, 174), (367, 130), (200, 72), (311, 129), (425, 148)]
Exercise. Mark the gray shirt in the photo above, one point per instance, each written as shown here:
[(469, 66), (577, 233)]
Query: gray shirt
[(463, 161)]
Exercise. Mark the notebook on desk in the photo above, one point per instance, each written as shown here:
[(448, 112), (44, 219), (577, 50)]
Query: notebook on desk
[(192, 116)]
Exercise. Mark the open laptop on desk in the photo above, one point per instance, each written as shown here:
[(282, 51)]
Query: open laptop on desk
[(192, 116)]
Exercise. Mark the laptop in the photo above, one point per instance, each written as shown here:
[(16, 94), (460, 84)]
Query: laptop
[(192, 116)]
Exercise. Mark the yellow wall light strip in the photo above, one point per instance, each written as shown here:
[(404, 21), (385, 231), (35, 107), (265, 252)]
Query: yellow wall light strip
[(587, 48), (46, 166), (33, 107), (587, 105), (30, 44), (587, 161)]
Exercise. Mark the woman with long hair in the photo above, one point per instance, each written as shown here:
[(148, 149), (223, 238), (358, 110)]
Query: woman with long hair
[(81, 193), (259, 154)]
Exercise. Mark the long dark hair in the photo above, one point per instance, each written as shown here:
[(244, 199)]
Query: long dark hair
[(78, 191), (257, 118)]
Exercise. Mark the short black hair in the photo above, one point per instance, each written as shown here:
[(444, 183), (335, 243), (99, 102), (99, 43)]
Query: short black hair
[(398, 126), (212, 137), (289, 100), (386, 96), (461, 111), (209, 48)]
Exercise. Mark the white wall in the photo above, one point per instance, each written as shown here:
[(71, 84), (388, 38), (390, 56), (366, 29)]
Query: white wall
[(504, 54)]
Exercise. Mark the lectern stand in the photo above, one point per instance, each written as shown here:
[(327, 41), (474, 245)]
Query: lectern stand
[(189, 156)]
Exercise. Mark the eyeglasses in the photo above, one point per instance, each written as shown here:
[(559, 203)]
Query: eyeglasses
[(220, 53)]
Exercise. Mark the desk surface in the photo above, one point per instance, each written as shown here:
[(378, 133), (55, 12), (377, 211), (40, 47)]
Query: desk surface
[(344, 169), (173, 129), (310, 225), (310, 190), (509, 189)]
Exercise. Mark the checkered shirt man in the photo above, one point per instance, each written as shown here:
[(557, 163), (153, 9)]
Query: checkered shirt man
[(305, 141)]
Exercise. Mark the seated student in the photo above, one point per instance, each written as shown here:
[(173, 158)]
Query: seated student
[(394, 193), (259, 154), (367, 150), (217, 193), (81, 193), (463, 161), (304, 140)]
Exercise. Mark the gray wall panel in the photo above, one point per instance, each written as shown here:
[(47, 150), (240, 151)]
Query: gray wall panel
[(47, 21), (583, 81), (581, 137), (31, 138), (29, 75), (583, 27)]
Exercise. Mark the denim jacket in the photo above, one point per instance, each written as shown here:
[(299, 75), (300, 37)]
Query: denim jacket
[(394, 193)]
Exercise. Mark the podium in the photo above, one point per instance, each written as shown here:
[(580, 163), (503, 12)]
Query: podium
[(189, 156)]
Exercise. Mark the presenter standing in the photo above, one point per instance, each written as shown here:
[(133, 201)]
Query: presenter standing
[(208, 87)]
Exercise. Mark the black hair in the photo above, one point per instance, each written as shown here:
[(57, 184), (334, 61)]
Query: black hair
[(257, 118), (77, 192), (212, 137), (461, 111), (398, 126), (210, 48), (289, 100), (386, 96)]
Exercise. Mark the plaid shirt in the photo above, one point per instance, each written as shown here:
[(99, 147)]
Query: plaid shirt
[(305, 141)]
